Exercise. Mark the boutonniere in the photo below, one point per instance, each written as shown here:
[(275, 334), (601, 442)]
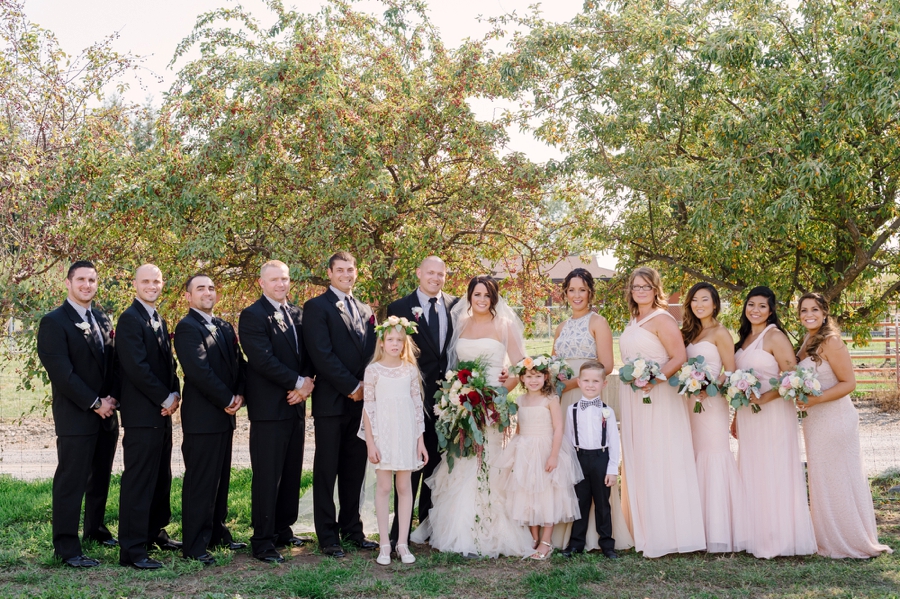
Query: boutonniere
[(171, 336), (112, 333), (417, 312), (211, 328), (83, 326), (340, 306), (155, 324), (372, 320), (606, 412), (279, 317)]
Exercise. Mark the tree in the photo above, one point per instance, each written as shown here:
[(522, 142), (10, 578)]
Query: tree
[(738, 141)]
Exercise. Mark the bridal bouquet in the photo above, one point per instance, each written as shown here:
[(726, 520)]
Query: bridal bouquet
[(739, 386), (797, 385), (693, 378), (556, 367), (640, 373), (466, 405)]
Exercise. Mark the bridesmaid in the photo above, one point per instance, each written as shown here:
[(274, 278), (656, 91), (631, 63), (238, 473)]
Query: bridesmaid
[(660, 493), (839, 497), (769, 454), (586, 336), (721, 495)]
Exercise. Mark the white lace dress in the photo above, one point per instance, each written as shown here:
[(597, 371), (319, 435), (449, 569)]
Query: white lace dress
[(469, 514), (393, 403)]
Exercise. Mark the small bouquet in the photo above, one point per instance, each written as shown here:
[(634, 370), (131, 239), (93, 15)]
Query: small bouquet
[(559, 371), (740, 385), (693, 378), (640, 374), (466, 405), (797, 385)]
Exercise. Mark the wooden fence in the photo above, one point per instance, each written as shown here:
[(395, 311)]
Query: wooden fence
[(873, 367)]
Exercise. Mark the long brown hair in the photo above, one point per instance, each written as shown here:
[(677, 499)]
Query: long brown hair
[(691, 327), (493, 291), (652, 277), (828, 328)]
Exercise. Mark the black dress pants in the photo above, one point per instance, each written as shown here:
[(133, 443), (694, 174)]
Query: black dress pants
[(593, 488), (204, 495)]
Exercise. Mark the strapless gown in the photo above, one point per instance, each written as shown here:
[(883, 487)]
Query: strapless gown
[(660, 493), (721, 495), (840, 500), (770, 467), (468, 513)]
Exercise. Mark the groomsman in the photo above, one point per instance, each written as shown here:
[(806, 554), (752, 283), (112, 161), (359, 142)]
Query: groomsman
[(214, 370), (75, 345), (150, 395), (430, 307), (279, 379), (340, 338)]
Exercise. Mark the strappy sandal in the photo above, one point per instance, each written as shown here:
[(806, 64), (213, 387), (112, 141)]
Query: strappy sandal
[(384, 555), (538, 556), (405, 556)]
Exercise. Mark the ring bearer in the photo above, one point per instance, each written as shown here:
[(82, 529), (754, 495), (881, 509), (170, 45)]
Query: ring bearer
[(591, 429)]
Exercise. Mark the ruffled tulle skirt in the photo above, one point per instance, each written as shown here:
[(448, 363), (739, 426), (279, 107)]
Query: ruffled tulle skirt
[(533, 495)]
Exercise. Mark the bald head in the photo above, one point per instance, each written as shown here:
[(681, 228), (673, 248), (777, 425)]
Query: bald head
[(148, 283), (432, 273)]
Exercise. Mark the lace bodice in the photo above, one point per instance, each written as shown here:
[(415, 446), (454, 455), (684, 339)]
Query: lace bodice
[(400, 380), (575, 339)]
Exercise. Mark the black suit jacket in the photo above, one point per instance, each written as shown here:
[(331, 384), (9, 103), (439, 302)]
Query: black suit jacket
[(147, 368), (79, 372), (432, 360), (214, 370), (338, 355), (273, 361)]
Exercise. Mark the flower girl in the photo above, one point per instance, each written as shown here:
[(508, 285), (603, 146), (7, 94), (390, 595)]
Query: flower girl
[(392, 426), (541, 488)]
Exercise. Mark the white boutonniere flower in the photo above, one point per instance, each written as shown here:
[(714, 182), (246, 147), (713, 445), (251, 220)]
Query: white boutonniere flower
[(155, 324), (606, 412), (211, 328), (417, 312), (83, 326), (279, 317), (340, 306)]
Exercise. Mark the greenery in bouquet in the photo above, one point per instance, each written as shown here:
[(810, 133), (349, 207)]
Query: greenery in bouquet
[(740, 385), (466, 405), (797, 385), (641, 375), (560, 372), (695, 377)]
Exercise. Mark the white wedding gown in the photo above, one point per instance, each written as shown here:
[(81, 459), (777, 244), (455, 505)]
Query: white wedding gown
[(468, 514)]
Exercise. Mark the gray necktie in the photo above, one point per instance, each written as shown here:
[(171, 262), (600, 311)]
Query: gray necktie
[(95, 329)]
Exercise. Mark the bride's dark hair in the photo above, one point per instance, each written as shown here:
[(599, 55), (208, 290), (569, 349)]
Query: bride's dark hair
[(493, 291)]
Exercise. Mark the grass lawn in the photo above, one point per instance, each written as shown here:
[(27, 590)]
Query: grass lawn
[(27, 568)]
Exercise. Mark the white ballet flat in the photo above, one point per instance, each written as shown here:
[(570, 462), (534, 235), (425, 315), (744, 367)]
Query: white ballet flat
[(384, 556), (405, 556)]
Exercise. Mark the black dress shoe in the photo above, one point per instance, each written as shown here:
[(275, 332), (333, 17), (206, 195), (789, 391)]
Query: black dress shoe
[(233, 545), (569, 552), (611, 554), (110, 543), (167, 544), (295, 541), (334, 551), (81, 561), (363, 543), (145, 564), (206, 559), (270, 557)]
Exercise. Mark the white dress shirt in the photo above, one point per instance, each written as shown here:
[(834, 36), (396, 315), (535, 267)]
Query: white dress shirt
[(590, 431), (425, 304)]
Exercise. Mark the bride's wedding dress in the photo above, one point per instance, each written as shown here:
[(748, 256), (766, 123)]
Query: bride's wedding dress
[(468, 514)]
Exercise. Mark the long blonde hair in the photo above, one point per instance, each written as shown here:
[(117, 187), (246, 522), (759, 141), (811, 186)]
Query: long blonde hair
[(828, 329), (652, 277), (409, 353)]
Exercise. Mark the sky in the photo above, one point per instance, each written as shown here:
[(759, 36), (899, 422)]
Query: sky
[(153, 28)]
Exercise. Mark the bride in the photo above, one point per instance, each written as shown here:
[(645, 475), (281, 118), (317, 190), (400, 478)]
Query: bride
[(468, 515)]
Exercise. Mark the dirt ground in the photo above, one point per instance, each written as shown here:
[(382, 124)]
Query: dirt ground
[(28, 449)]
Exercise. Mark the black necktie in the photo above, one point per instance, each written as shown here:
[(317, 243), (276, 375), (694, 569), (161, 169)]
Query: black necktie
[(290, 325), (434, 322), (95, 331), (354, 316)]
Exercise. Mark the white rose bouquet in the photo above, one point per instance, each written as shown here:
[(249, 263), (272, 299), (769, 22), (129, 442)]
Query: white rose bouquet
[(797, 385), (641, 374), (695, 377)]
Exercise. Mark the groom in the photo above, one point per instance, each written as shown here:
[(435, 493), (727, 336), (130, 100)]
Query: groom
[(430, 307), (339, 334)]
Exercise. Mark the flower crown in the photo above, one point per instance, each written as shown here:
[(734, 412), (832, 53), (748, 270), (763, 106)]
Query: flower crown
[(395, 323), (540, 363)]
